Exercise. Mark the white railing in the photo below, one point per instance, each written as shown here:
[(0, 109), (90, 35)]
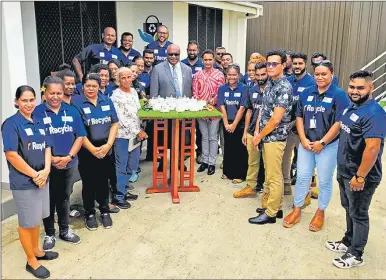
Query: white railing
[(383, 94)]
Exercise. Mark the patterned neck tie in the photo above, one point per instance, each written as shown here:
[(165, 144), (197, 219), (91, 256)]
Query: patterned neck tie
[(175, 80)]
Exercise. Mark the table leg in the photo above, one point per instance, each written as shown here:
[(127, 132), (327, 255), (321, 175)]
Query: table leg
[(174, 160)]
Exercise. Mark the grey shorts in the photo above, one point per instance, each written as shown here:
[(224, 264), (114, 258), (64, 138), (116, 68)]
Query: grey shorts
[(32, 206)]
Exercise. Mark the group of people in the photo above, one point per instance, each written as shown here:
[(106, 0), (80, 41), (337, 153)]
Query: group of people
[(273, 115)]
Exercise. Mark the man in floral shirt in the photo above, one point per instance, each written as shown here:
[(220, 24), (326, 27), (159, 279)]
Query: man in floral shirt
[(274, 126)]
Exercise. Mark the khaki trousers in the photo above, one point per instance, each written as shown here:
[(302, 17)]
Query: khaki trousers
[(272, 197), (253, 162)]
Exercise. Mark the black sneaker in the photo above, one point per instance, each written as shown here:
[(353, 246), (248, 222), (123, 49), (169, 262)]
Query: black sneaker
[(91, 222), (122, 204), (139, 170), (131, 197), (49, 243), (70, 237), (106, 220)]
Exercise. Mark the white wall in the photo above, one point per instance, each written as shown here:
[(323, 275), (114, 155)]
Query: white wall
[(13, 65), (132, 15), (181, 26)]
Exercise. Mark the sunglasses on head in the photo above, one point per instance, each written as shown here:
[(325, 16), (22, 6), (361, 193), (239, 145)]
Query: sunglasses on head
[(321, 62), (272, 64), (173, 54)]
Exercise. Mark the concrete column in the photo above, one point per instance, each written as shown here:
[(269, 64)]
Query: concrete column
[(181, 26)]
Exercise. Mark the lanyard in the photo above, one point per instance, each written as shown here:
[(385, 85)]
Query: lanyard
[(65, 119)]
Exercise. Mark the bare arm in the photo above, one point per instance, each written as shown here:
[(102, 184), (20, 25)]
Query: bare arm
[(239, 116), (224, 115), (19, 163), (273, 122), (248, 116), (78, 68), (332, 133), (369, 156), (302, 136)]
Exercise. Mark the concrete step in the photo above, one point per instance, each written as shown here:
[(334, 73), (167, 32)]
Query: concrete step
[(8, 206)]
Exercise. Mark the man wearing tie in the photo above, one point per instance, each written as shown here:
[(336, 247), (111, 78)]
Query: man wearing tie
[(171, 78)]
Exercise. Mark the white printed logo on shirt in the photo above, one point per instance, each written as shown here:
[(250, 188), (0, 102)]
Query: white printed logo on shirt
[(67, 119), (310, 98), (198, 68), (114, 56), (143, 84), (29, 131), (42, 132), (87, 110), (300, 89), (47, 120), (354, 117), (237, 94), (106, 108), (102, 54), (327, 100), (226, 94), (155, 51)]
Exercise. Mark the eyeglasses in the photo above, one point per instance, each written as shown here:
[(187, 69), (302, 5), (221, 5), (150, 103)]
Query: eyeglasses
[(173, 54), (163, 33), (318, 62), (273, 64), (219, 54)]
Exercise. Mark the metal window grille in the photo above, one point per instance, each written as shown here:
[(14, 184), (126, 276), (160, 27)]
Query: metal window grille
[(64, 28), (205, 26)]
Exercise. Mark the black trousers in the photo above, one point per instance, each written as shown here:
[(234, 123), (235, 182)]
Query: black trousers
[(95, 174), (198, 139), (235, 154), (261, 174), (61, 185), (356, 205)]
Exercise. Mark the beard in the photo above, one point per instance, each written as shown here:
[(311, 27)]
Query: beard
[(262, 82), (301, 72), (361, 100), (192, 56)]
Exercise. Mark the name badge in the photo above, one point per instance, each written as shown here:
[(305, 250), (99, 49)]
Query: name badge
[(106, 108), (312, 123), (255, 95), (155, 51), (198, 68), (47, 120), (238, 94), (354, 117), (300, 89), (114, 56), (29, 131), (143, 84), (102, 54), (310, 98), (67, 118), (42, 132), (87, 110), (327, 100), (226, 94)]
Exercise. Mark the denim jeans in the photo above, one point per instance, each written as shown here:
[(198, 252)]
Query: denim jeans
[(356, 205), (325, 163), (125, 164)]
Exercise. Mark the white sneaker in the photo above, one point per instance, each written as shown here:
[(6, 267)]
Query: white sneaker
[(336, 246), (348, 260)]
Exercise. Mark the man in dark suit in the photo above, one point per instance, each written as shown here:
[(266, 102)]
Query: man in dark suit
[(171, 78)]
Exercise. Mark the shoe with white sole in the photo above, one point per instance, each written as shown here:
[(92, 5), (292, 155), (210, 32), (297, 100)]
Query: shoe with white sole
[(49, 243), (336, 246), (348, 260)]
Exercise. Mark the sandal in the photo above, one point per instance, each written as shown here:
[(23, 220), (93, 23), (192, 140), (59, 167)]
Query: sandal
[(237, 181), (291, 219), (317, 223), (224, 177)]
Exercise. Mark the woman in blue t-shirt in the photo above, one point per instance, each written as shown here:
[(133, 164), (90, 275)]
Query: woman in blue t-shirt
[(27, 149)]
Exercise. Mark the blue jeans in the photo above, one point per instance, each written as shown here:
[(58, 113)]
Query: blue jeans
[(125, 164), (325, 163)]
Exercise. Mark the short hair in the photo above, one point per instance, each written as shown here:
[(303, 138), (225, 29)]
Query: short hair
[(326, 63), (299, 55), (220, 48), (91, 77), (137, 57), (116, 62), (150, 51), (233, 66), (281, 54), (194, 42), (52, 80), (208, 51), (362, 74), (317, 54), (97, 68), (162, 25), (126, 34), (21, 89), (227, 53), (65, 71), (260, 65), (288, 52)]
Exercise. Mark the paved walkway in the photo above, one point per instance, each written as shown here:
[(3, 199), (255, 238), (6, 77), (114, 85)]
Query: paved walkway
[(206, 236)]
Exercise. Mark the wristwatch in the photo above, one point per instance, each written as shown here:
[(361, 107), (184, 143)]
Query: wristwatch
[(360, 179), (323, 143), (71, 156)]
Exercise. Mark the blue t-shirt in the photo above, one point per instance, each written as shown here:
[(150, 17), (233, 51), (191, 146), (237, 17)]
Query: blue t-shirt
[(108, 90), (30, 141), (63, 128), (96, 119), (97, 53), (129, 58), (254, 100), (357, 123), (321, 111), (335, 80), (144, 79), (232, 99), (198, 66), (247, 80), (160, 53)]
